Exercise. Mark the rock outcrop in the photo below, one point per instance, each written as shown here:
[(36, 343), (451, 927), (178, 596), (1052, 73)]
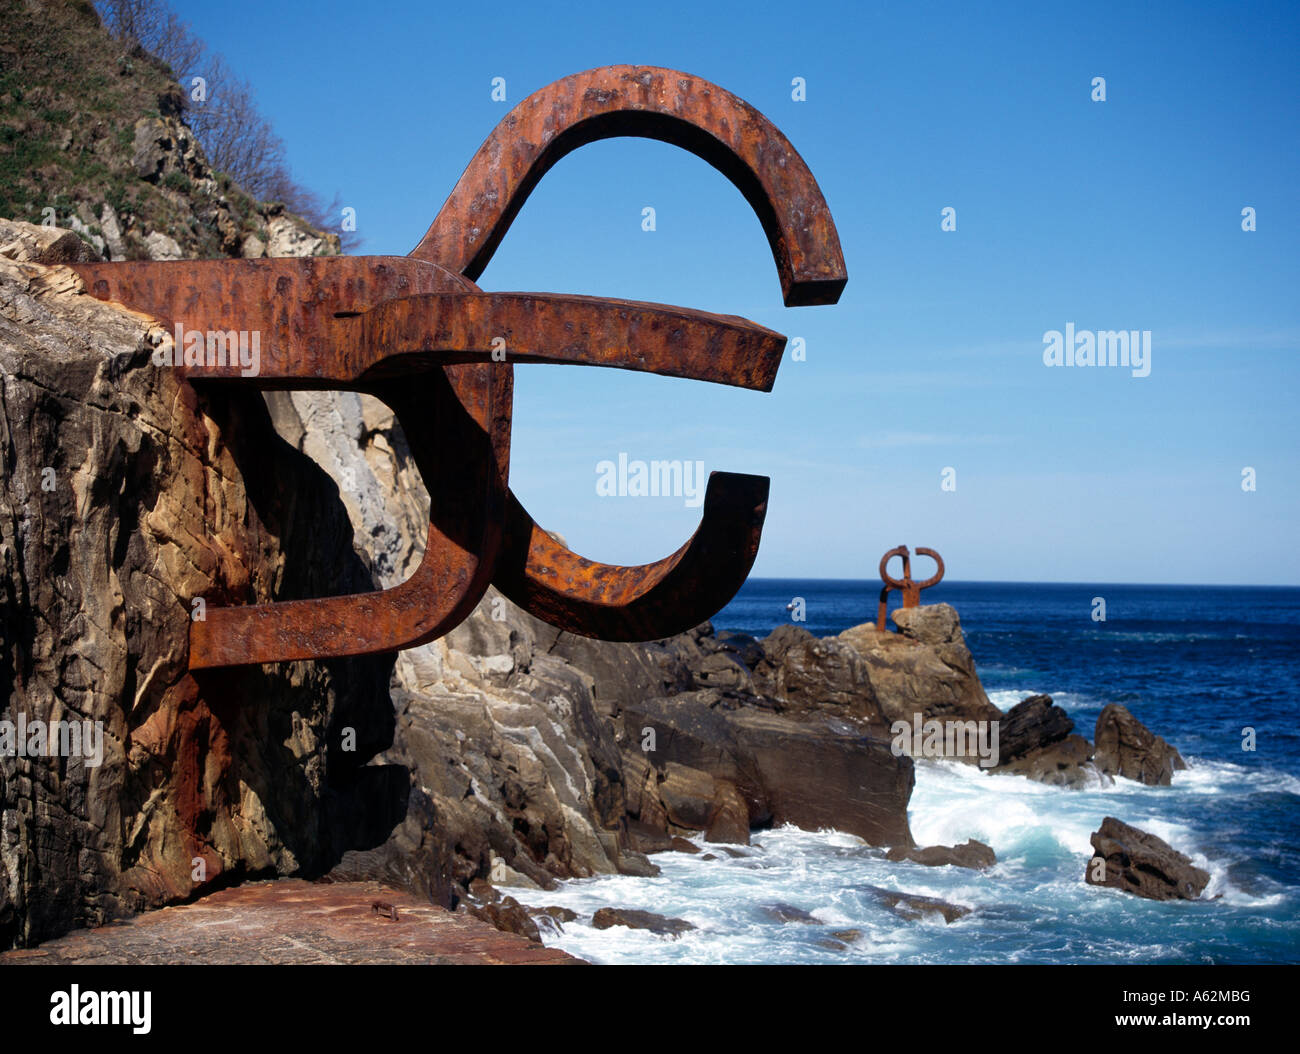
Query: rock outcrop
[(1142, 864), (925, 669), (1037, 741), (972, 854), (125, 496), (1125, 747), (808, 768), (635, 919), (913, 906)]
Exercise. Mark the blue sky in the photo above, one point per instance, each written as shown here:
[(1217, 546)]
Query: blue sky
[(1123, 214)]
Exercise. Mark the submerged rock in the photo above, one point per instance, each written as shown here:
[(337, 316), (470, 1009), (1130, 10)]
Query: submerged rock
[(635, 919), (913, 906), (779, 911), (972, 854), (1142, 864), (557, 913)]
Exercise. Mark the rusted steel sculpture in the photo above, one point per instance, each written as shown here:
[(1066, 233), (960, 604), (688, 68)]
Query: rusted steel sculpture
[(910, 589), (416, 332)]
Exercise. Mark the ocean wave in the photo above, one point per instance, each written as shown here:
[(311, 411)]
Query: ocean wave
[(1032, 906), (1212, 776)]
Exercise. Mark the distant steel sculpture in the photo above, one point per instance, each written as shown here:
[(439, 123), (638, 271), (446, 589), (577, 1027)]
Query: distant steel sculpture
[(910, 589), (416, 332)]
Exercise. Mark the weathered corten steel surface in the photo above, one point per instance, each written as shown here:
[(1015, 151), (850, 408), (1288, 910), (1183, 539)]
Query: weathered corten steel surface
[(418, 333), (910, 589), (349, 322), (646, 102)]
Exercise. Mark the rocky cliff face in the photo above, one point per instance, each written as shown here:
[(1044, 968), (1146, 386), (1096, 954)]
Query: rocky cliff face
[(124, 496)]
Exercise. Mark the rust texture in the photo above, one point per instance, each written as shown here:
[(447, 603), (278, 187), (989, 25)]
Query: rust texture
[(386, 908), (418, 333), (910, 588)]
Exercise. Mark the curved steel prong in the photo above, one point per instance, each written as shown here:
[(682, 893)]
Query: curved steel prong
[(935, 578), (651, 103), (645, 602), (562, 330), (461, 409), (905, 553)]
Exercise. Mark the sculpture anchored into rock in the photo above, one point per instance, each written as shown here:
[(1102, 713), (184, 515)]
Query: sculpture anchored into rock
[(417, 333), (910, 589)]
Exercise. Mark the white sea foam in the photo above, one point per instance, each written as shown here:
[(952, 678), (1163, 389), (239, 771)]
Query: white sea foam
[(1032, 906)]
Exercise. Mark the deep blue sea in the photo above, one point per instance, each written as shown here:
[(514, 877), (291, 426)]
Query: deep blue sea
[(1196, 664)]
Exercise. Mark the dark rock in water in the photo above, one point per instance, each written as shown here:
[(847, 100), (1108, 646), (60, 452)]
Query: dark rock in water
[(1142, 864), (970, 854), (730, 819), (912, 906), (676, 797), (647, 839), (555, 912), (630, 862), (847, 936), (640, 920), (681, 845), (1125, 747), (1030, 725), (783, 912), (687, 794), (551, 920), (808, 769), (1065, 763), (548, 927), (1036, 740), (508, 915)]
